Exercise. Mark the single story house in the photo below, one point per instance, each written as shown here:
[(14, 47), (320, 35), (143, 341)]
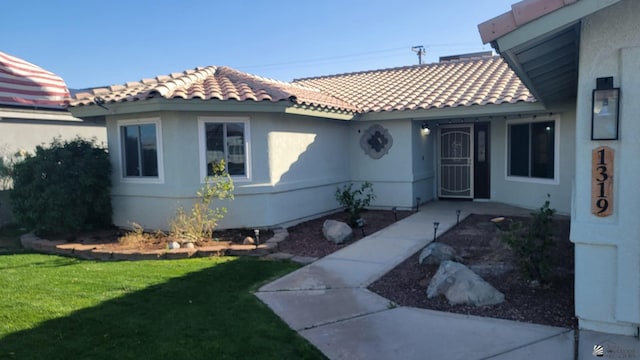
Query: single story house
[(553, 114), (32, 108), (32, 113), (288, 146), (585, 55)]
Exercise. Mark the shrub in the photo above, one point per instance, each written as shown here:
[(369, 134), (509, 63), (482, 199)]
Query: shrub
[(532, 244), (355, 201), (63, 188), (198, 224)]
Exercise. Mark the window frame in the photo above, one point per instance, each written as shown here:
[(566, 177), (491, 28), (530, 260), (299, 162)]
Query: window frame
[(556, 150), (202, 144), (159, 153)]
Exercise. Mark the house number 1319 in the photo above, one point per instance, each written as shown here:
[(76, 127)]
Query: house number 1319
[(602, 181)]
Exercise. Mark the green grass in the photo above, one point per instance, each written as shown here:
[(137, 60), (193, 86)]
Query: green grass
[(54, 307)]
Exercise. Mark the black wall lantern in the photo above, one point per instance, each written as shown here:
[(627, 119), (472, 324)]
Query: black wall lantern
[(605, 105)]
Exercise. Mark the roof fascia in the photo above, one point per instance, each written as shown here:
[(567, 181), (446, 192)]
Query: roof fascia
[(305, 111), (160, 104), (457, 112), (37, 114), (549, 23)]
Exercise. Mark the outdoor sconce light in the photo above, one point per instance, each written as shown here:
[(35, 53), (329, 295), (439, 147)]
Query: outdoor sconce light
[(417, 204), (360, 223), (425, 129), (256, 232), (458, 216), (435, 229), (605, 114), (395, 213)]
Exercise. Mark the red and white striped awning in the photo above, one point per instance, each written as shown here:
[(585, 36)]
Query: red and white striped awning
[(26, 84)]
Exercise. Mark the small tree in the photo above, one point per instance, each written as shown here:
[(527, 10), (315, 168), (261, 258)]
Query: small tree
[(355, 201), (63, 188), (532, 244), (198, 224)]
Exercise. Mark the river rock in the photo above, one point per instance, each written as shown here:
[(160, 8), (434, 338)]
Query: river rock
[(336, 231)]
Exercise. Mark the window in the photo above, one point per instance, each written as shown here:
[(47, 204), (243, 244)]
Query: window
[(532, 149), (225, 139), (139, 144)]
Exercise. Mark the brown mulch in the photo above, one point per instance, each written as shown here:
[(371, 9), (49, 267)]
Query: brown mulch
[(477, 240), (306, 239)]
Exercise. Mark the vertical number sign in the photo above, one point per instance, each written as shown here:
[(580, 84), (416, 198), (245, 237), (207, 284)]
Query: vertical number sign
[(602, 181)]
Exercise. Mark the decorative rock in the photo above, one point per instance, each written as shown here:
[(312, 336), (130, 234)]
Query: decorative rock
[(436, 252), (188, 245), (336, 231), (460, 285), (249, 241), (174, 245)]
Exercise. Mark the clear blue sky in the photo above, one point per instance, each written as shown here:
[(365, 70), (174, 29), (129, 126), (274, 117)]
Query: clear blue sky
[(93, 43)]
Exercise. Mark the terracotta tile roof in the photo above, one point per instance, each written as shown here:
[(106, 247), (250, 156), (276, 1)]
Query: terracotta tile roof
[(222, 83), (521, 13), (464, 82)]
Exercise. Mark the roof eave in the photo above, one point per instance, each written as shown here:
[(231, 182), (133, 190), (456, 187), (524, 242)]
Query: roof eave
[(457, 112), (327, 113), (544, 29), (161, 104), (190, 105)]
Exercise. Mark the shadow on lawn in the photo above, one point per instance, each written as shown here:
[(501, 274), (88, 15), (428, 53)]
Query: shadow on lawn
[(206, 314)]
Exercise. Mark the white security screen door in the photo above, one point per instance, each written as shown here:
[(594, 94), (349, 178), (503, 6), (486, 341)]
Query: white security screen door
[(456, 161)]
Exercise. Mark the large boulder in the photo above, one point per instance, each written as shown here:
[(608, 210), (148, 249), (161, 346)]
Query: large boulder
[(336, 231), (460, 285), (436, 252)]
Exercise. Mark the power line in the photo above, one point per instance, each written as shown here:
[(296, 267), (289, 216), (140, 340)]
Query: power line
[(349, 56)]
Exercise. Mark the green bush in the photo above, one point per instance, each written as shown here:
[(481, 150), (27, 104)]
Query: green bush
[(63, 188), (532, 244), (198, 224), (355, 201)]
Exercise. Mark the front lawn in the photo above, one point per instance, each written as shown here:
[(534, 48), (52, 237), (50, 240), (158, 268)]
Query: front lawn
[(54, 307)]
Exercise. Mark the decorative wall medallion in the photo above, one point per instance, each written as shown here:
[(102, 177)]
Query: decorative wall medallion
[(376, 141)]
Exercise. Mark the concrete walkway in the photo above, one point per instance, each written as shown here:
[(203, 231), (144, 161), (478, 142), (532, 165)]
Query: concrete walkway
[(328, 304)]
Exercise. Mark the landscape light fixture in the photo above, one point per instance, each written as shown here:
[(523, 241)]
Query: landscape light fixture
[(360, 223), (425, 129), (605, 114), (417, 204), (395, 213), (435, 229), (458, 216)]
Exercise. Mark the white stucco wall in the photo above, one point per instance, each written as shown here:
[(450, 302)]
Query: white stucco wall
[(308, 161), (25, 134), (424, 162), (393, 174), (607, 249), (532, 193)]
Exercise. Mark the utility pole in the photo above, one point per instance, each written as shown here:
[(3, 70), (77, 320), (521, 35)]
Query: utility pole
[(420, 51)]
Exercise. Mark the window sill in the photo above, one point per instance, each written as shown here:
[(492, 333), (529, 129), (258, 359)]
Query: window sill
[(142, 180), (533, 180)]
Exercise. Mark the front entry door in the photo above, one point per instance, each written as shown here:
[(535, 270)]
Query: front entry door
[(456, 161)]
